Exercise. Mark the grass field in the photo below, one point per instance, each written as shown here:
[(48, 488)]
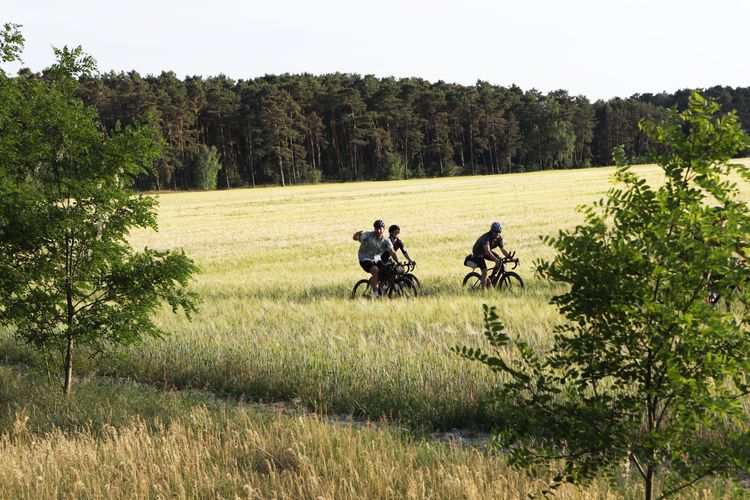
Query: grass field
[(277, 266), (120, 440), (277, 324)]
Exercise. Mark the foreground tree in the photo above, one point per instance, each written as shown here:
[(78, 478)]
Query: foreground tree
[(68, 276), (644, 371)]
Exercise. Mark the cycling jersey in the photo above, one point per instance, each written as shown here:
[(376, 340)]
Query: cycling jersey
[(478, 249), (371, 246), (399, 245)]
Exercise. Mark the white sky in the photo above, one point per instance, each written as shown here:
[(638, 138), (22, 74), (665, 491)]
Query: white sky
[(597, 48)]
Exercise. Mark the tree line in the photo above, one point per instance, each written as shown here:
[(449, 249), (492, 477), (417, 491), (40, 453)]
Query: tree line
[(294, 129)]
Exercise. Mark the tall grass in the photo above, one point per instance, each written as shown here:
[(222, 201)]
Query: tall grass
[(277, 265), (187, 445)]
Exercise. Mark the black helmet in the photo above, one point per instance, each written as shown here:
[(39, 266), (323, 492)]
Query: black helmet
[(378, 223), (394, 228)]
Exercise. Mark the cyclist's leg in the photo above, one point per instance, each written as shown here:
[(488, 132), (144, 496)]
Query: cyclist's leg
[(370, 267), (374, 283), (483, 267)]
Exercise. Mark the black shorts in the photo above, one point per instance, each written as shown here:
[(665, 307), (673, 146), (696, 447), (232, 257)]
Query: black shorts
[(480, 261), (367, 265)]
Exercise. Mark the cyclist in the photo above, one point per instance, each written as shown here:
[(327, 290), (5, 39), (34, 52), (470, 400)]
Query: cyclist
[(482, 249), (393, 233), (372, 244)]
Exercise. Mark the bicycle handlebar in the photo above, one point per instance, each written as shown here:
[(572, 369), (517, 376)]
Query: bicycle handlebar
[(399, 268), (514, 261), (505, 260)]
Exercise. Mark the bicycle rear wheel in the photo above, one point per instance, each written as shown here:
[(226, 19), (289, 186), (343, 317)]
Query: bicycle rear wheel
[(473, 281), (510, 280), (361, 289)]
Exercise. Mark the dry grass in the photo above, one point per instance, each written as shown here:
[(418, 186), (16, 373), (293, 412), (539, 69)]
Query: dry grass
[(194, 447)]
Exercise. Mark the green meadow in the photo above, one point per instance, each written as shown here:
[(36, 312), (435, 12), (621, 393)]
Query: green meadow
[(276, 325), (276, 269)]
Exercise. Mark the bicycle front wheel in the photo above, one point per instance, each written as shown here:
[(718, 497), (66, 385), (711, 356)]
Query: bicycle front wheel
[(402, 287), (510, 280), (413, 280), (361, 289)]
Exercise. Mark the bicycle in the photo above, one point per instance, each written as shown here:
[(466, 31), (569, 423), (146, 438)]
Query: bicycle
[(408, 268), (499, 276), (394, 282)]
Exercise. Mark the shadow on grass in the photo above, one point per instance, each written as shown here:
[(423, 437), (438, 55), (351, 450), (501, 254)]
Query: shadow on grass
[(442, 288), (32, 400)]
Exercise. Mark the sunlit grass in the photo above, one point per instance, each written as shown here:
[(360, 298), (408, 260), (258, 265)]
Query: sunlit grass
[(276, 323), (277, 266), (121, 440)]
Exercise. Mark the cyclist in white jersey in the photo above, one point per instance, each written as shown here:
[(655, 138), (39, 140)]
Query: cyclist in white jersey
[(372, 244)]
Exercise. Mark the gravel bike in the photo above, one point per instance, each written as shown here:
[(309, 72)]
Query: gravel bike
[(408, 268), (499, 276), (395, 281)]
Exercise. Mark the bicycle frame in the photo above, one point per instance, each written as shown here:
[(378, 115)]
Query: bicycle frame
[(499, 274)]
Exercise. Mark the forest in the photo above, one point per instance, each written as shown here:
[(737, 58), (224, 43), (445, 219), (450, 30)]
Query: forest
[(300, 129)]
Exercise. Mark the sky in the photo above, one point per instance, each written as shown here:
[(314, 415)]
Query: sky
[(596, 48)]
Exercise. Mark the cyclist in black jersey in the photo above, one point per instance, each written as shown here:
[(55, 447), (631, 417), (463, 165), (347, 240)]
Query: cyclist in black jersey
[(398, 244), (482, 249)]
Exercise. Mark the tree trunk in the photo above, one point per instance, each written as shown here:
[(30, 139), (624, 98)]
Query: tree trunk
[(471, 145), (70, 313), (249, 152), (493, 159), (648, 484), (313, 164), (509, 160), (224, 153), (68, 367), (461, 149), (294, 177), (336, 148), (320, 164), (281, 164), (406, 157)]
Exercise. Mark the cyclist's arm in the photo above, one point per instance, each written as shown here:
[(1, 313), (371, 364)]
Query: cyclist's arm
[(406, 254), (489, 253), (357, 236), (505, 252)]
